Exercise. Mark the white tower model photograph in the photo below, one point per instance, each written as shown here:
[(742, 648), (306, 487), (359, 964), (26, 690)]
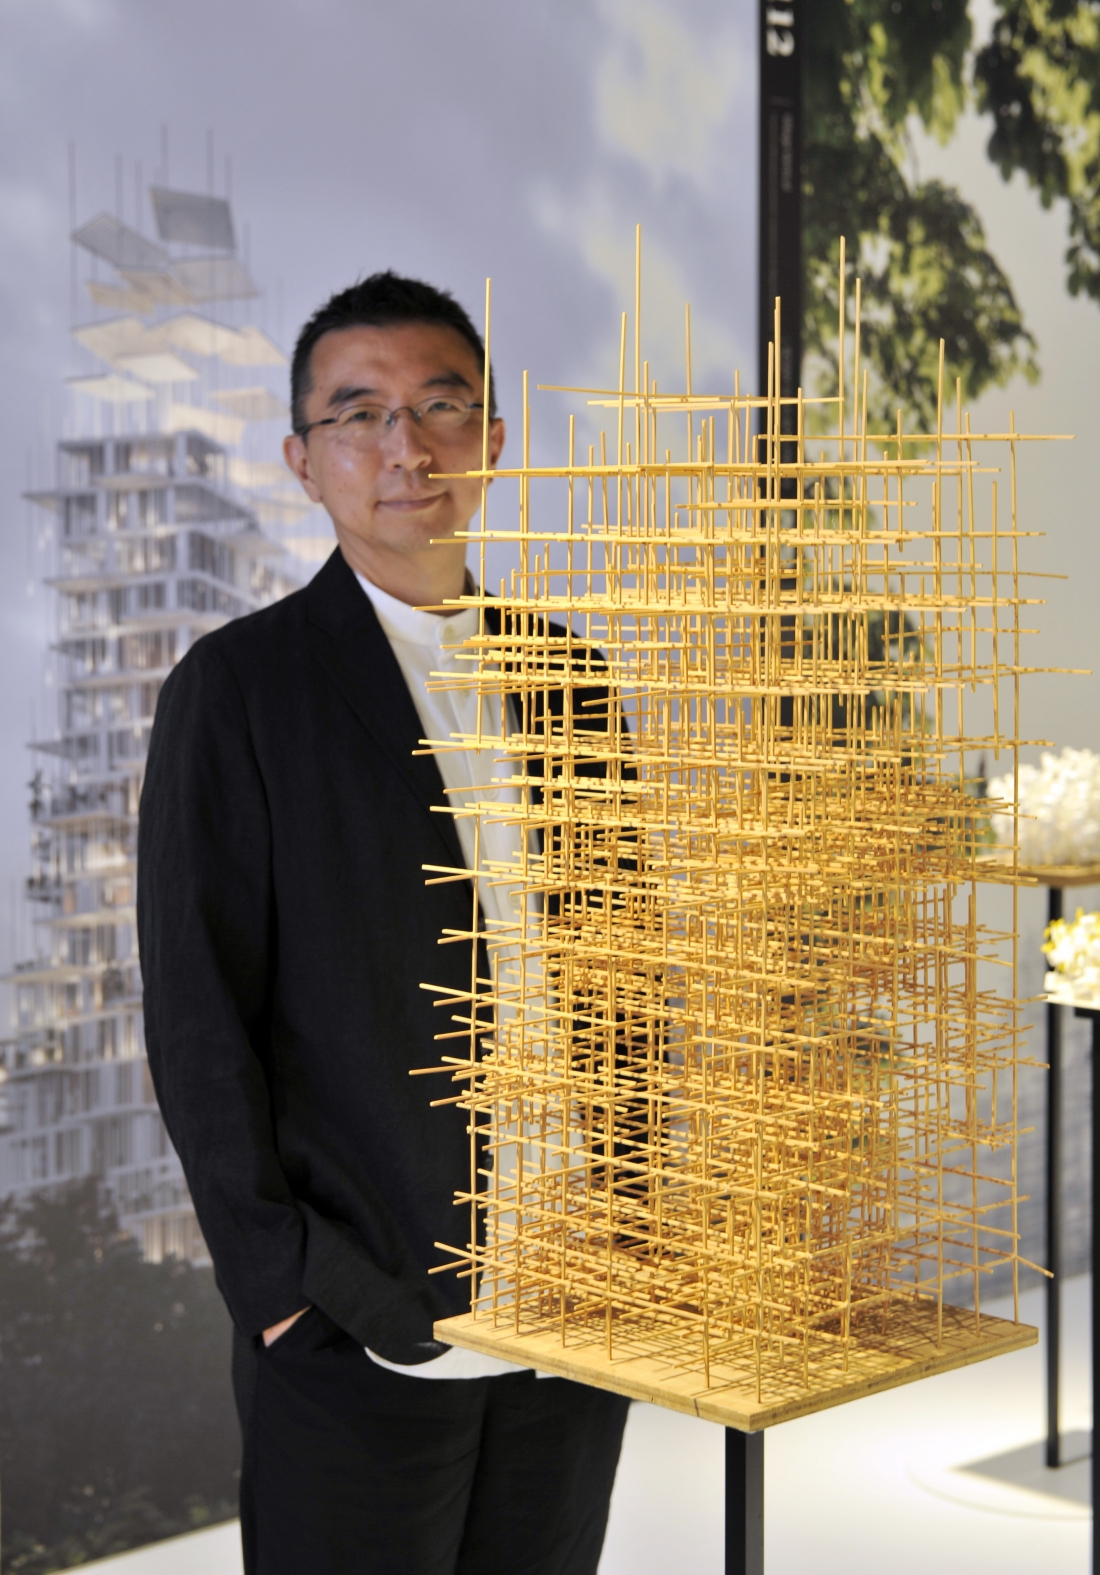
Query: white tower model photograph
[(153, 526)]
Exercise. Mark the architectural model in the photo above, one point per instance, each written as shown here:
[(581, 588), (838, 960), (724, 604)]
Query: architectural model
[(747, 1112)]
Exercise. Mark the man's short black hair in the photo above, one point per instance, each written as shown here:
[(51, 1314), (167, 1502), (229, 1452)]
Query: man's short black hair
[(379, 302)]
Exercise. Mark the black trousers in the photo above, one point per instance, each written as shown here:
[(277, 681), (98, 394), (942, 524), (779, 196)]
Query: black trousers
[(350, 1469)]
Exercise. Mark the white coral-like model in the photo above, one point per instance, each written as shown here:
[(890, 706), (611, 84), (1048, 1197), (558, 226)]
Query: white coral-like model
[(1074, 952), (1060, 799)]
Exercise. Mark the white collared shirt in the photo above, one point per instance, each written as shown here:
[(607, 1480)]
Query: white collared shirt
[(426, 643)]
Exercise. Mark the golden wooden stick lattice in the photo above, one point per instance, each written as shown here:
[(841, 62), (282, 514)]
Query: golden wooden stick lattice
[(749, 1097)]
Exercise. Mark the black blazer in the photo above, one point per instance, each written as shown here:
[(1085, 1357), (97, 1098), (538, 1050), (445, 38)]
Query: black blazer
[(285, 929)]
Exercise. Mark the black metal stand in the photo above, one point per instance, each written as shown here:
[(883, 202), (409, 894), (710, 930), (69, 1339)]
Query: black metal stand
[(744, 1503), (1054, 1209), (1094, 1016)]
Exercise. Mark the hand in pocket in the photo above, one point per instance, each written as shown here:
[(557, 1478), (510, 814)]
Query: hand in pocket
[(277, 1329)]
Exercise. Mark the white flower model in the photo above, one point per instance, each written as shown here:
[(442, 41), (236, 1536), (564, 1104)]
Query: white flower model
[(1074, 951), (1061, 800)]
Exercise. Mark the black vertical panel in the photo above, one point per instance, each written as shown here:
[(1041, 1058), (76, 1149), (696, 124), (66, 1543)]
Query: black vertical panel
[(780, 236), (780, 270)]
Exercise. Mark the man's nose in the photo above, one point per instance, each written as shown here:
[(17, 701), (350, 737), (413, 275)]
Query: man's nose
[(404, 441)]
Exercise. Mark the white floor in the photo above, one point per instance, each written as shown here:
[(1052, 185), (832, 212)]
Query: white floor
[(880, 1485)]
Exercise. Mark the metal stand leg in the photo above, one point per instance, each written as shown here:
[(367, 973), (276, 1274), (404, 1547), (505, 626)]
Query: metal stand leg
[(1096, 1281), (1093, 1014), (744, 1503), (1054, 1210)]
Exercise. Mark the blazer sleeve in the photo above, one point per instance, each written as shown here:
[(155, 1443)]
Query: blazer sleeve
[(205, 928)]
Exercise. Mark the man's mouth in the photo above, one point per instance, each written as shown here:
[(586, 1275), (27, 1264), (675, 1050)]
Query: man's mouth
[(404, 503)]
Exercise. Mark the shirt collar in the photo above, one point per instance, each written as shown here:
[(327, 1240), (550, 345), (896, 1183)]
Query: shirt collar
[(415, 626)]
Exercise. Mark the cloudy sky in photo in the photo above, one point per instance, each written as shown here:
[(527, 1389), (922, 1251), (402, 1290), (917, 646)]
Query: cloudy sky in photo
[(452, 142)]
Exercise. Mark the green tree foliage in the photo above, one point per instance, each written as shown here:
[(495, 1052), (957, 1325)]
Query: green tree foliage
[(117, 1424), (1039, 77), (918, 247)]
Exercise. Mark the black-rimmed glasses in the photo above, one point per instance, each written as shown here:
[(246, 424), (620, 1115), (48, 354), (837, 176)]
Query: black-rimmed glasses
[(367, 423)]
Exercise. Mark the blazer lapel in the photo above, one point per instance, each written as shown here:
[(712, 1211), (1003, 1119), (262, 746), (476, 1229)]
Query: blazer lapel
[(356, 654)]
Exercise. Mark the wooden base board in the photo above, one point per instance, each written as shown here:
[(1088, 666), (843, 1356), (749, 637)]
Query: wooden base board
[(906, 1351), (1040, 874), (1064, 995), (1063, 874)]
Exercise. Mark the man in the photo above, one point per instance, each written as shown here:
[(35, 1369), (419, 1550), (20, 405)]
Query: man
[(285, 930)]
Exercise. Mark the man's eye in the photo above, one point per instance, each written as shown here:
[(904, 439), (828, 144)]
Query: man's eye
[(363, 415), (441, 407)]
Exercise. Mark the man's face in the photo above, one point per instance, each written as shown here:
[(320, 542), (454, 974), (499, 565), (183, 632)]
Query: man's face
[(380, 495)]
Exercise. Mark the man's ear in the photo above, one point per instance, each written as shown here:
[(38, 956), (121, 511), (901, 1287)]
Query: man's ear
[(297, 457), (496, 440)]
